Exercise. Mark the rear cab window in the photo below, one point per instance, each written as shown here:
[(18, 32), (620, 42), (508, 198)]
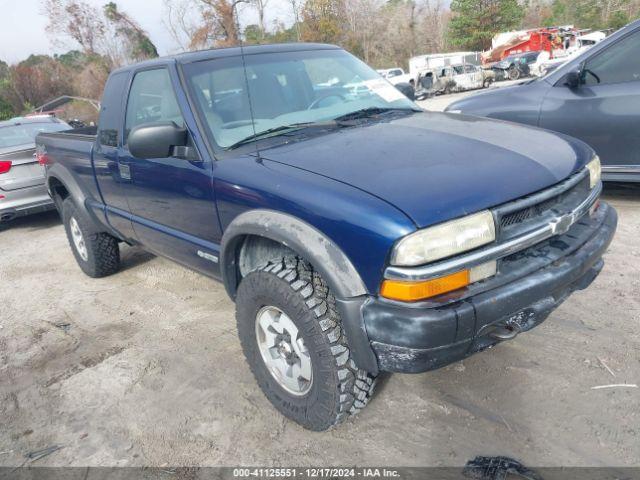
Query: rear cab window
[(110, 120)]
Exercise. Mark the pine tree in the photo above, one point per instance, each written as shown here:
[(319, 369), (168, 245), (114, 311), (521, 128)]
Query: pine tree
[(475, 22)]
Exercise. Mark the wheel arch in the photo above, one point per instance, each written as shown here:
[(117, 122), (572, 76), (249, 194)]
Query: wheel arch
[(61, 185), (58, 191), (61, 179), (281, 233)]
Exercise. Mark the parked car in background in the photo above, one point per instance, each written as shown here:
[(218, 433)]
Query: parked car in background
[(426, 84), (545, 64), (356, 233), (396, 75), (453, 78), (516, 66), (594, 97), (22, 188)]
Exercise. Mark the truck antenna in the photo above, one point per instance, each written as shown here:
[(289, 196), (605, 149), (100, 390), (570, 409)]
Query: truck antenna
[(244, 68)]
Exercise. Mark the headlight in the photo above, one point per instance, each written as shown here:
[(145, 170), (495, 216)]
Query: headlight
[(444, 240), (594, 171)]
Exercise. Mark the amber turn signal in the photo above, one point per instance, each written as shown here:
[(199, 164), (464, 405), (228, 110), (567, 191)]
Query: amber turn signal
[(414, 291)]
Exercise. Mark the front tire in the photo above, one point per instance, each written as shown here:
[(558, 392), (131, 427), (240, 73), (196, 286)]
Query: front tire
[(97, 253), (290, 292)]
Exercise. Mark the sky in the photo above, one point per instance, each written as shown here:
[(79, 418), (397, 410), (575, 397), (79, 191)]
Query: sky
[(22, 30)]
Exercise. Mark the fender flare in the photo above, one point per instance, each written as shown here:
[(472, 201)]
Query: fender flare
[(75, 192), (64, 177), (327, 258)]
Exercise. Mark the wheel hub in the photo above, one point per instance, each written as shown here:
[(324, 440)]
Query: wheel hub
[(78, 239), (283, 350)]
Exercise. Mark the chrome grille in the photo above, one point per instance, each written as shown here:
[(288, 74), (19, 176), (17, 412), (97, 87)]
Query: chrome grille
[(526, 213), (516, 217)]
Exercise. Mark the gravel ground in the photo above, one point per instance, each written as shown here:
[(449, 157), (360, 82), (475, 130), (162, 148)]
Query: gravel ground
[(144, 368)]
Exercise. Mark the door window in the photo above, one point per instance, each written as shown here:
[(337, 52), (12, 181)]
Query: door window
[(151, 100), (619, 63)]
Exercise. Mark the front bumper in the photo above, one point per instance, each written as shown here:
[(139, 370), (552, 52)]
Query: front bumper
[(411, 338)]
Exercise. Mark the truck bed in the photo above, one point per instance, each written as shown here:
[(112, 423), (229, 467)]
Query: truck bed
[(73, 151), (85, 133)]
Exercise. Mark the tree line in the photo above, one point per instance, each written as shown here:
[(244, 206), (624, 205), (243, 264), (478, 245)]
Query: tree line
[(384, 33)]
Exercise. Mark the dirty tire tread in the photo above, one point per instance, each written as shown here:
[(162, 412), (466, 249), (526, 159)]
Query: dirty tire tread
[(354, 386), (103, 249)]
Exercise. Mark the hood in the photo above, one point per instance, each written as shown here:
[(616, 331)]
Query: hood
[(438, 166)]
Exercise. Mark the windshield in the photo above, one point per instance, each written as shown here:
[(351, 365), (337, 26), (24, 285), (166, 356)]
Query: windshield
[(283, 89), (25, 133)]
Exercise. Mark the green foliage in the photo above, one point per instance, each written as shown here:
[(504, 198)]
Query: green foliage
[(6, 110), (285, 35), (254, 35), (144, 47), (33, 60), (475, 22), (4, 71), (140, 45), (594, 14), (322, 21), (73, 59), (618, 20)]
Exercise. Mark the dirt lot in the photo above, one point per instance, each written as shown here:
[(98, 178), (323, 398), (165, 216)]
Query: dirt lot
[(144, 368)]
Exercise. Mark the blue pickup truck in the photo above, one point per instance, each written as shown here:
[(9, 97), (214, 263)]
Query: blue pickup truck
[(355, 232)]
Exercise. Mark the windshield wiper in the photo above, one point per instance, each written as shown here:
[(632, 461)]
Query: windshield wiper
[(370, 112), (279, 130)]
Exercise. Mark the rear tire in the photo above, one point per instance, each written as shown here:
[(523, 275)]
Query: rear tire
[(97, 253), (337, 387)]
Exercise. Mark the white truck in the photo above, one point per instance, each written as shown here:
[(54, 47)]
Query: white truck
[(421, 63), (396, 75)]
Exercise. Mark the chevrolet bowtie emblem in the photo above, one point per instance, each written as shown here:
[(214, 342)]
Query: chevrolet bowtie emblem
[(561, 224)]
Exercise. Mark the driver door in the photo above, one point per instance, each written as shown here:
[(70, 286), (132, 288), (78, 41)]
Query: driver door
[(604, 111), (171, 199)]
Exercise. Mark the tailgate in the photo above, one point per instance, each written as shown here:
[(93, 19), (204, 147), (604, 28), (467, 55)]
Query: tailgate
[(25, 170)]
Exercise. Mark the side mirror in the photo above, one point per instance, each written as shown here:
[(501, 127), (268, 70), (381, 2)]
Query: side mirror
[(573, 79), (407, 90), (156, 140)]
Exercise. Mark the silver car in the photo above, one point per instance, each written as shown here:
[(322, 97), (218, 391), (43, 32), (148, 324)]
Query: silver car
[(22, 188)]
